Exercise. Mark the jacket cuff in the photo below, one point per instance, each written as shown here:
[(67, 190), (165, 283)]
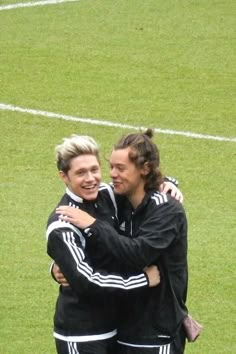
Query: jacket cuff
[(146, 279), (91, 230), (172, 180)]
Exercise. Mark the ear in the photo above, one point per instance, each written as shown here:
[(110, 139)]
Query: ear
[(63, 176), (145, 169)]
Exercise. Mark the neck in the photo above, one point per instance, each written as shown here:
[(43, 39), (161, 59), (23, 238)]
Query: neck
[(136, 198), (74, 196)]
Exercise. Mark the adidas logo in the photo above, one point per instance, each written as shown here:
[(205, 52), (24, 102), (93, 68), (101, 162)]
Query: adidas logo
[(122, 226)]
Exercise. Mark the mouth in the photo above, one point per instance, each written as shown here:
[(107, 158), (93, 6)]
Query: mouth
[(90, 187), (116, 184)]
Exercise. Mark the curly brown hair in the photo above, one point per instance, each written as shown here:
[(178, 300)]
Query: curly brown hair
[(143, 151)]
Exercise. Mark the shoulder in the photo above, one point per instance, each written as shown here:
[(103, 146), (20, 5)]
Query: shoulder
[(106, 196), (105, 187), (53, 216), (64, 230), (106, 191), (158, 198), (165, 202)]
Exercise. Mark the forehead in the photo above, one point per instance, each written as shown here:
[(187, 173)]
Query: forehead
[(120, 157), (85, 161)]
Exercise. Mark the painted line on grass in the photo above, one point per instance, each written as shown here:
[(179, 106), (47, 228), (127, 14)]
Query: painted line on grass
[(8, 107), (34, 3)]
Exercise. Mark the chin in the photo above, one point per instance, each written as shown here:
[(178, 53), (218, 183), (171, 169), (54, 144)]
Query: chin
[(117, 190), (91, 196)]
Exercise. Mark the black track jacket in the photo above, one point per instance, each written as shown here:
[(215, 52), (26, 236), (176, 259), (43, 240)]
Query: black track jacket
[(86, 307), (156, 233)]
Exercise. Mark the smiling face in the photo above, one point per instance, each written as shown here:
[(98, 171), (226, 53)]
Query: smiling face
[(128, 180), (84, 176)]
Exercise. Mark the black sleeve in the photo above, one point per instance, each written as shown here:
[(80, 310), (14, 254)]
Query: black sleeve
[(65, 247), (155, 234)]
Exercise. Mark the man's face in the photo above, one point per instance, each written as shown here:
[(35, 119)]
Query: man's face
[(126, 177), (83, 177)]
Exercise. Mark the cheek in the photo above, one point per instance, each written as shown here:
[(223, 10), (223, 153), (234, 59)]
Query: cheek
[(136, 180), (98, 178), (78, 181)]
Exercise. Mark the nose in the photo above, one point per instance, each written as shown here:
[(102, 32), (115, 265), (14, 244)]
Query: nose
[(113, 172), (89, 176)]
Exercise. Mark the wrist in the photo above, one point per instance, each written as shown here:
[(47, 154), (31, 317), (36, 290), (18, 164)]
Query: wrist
[(147, 278)]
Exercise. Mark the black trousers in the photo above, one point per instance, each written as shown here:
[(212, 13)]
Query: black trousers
[(125, 349), (176, 347), (106, 346)]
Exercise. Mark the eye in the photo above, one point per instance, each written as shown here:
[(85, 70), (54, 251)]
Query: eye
[(95, 170), (121, 168)]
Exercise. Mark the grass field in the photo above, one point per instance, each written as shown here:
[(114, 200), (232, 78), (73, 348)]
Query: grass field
[(162, 64)]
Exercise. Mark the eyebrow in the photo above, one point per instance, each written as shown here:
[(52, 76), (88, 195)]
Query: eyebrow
[(87, 168), (118, 164)]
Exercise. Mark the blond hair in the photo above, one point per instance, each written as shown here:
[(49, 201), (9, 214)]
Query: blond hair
[(72, 147)]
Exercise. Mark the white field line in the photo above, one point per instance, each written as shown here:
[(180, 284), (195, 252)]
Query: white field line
[(8, 107), (33, 3)]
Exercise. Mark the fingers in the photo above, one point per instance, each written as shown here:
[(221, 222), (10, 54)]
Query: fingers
[(67, 210), (70, 211), (65, 213), (59, 276), (65, 218), (168, 187), (177, 195), (75, 216), (63, 281), (153, 275)]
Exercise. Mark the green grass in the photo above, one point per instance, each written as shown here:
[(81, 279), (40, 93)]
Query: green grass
[(163, 64)]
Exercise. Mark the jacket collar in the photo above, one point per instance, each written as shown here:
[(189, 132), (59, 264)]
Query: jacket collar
[(143, 202), (73, 196)]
